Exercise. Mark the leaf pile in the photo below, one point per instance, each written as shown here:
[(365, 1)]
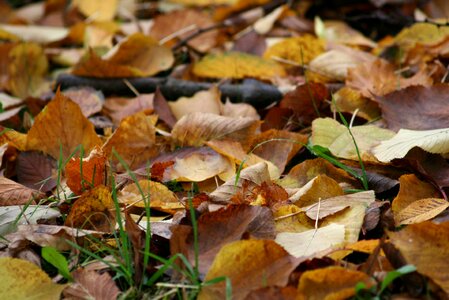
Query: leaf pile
[(331, 192)]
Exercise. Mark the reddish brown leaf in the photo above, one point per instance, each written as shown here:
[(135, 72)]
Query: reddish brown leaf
[(35, 170), (91, 285), (13, 193)]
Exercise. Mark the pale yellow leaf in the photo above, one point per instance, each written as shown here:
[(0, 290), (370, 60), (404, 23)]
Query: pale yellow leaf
[(36, 34), (421, 210)]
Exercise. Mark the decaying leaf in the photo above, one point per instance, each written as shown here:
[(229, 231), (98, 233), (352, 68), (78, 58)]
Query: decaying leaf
[(120, 108), (89, 100), (203, 101), (351, 101), (424, 245), (21, 279), (339, 32), (99, 11), (36, 171), (91, 284), (13, 193), (93, 210), (61, 124), (237, 65)]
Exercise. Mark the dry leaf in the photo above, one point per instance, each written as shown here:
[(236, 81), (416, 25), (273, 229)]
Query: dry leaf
[(89, 100), (329, 133), (61, 124), (421, 210), (203, 101), (335, 283), (197, 128), (299, 50), (97, 10), (21, 279), (176, 21), (341, 33), (93, 210), (27, 69), (89, 173), (237, 65), (349, 101), (249, 264), (120, 108), (312, 241), (36, 34), (433, 141), (134, 140), (378, 78), (13, 193), (36, 171), (425, 246), (91, 285), (422, 33), (319, 188)]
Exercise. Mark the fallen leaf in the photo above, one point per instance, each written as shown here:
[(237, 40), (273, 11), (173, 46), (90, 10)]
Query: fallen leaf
[(21, 279), (250, 177), (27, 69), (177, 21), (93, 210), (36, 171), (156, 195), (424, 245), (319, 188), (328, 133), (197, 128), (120, 108), (249, 264), (36, 34), (331, 283), (351, 101), (341, 33), (237, 65), (13, 193), (378, 78), (312, 241), (219, 228), (98, 11), (278, 146), (423, 33), (421, 210), (203, 101), (86, 173), (89, 100), (61, 124), (236, 110), (416, 107), (134, 140), (13, 138), (299, 50), (433, 141), (91, 285)]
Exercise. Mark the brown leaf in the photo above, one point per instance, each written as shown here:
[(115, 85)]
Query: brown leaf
[(278, 152), (91, 285), (61, 125), (319, 188), (120, 108), (425, 246), (218, 228), (203, 101), (178, 20), (134, 140), (36, 171), (250, 265), (379, 78), (89, 100), (93, 210), (13, 193), (306, 101), (416, 107), (197, 128), (162, 109)]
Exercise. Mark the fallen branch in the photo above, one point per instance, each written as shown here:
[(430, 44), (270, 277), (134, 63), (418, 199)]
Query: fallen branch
[(251, 91)]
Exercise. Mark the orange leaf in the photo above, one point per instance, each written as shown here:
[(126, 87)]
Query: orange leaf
[(88, 174), (61, 124)]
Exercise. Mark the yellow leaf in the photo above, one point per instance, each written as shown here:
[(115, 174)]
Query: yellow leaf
[(157, 195), (21, 279), (61, 124), (317, 189), (349, 100), (249, 264), (104, 10), (237, 65), (422, 33), (300, 50), (334, 283), (134, 140), (93, 210), (421, 210), (27, 69)]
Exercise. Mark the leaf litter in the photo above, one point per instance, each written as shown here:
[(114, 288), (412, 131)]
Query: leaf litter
[(332, 189)]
